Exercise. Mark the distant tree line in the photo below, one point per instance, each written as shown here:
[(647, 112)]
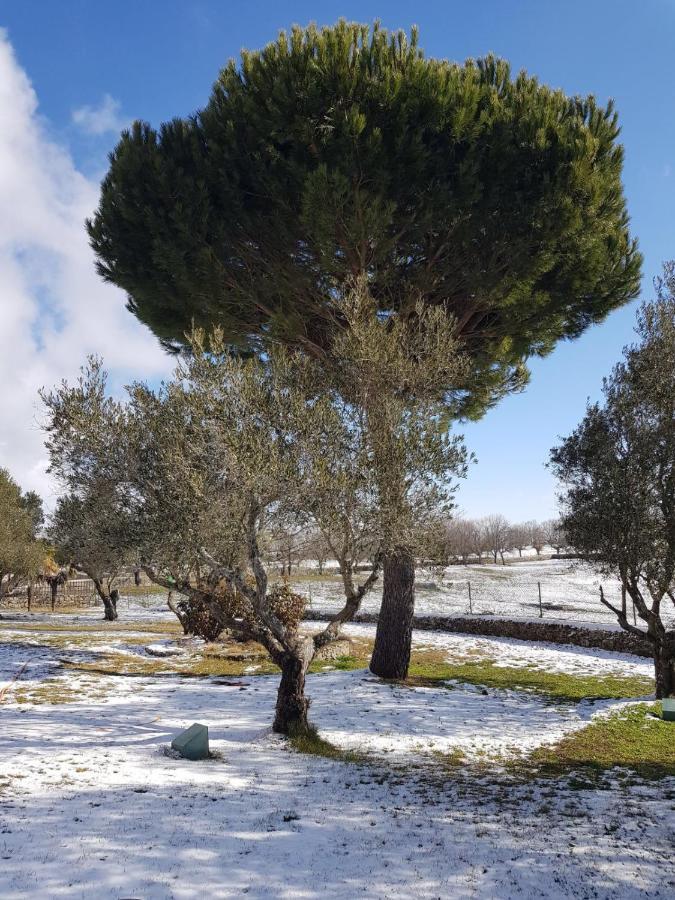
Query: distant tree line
[(465, 541)]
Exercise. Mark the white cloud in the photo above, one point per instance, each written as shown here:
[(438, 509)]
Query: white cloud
[(101, 119), (54, 308)]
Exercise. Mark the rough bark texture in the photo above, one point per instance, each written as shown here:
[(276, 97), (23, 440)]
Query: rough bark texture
[(178, 613), (664, 671), (391, 653), (109, 601), (109, 609), (292, 705)]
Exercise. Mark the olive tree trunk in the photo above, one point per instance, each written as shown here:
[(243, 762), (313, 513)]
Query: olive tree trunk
[(391, 653), (292, 705), (664, 670), (109, 600)]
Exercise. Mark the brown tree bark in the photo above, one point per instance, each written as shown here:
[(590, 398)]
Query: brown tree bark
[(291, 710), (109, 601), (175, 609), (664, 670), (393, 638)]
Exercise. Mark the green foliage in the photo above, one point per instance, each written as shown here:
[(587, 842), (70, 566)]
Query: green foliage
[(342, 152), (618, 474), (92, 526), (21, 555)]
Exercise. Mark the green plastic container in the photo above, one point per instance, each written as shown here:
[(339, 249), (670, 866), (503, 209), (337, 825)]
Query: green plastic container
[(668, 709)]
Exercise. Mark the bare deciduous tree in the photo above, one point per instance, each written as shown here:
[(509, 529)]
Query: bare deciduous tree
[(554, 534), (537, 537), (496, 530), (519, 537)]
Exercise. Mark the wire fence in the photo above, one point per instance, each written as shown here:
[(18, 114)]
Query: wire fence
[(73, 593), (553, 598)]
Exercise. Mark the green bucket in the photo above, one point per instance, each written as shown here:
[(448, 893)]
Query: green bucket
[(668, 709)]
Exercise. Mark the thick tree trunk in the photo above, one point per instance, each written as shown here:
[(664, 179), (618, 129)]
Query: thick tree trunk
[(391, 653), (175, 609), (109, 601), (109, 609), (54, 586), (664, 671), (292, 705)]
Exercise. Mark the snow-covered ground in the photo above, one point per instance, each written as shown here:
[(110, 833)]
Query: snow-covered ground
[(569, 592), (91, 804)]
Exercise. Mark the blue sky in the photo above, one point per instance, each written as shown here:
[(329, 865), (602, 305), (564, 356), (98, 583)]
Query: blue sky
[(95, 66)]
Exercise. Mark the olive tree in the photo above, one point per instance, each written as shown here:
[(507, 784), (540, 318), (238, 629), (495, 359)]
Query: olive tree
[(391, 374), (617, 471), (91, 527), (21, 553), (217, 453), (90, 532)]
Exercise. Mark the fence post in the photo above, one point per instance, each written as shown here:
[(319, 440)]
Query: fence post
[(541, 608), (470, 604)]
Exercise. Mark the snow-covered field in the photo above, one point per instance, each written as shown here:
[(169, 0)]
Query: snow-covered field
[(92, 805), (569, 592)]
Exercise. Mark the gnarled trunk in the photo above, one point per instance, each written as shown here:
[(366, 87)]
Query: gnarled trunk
[(292, 705), (178, 613), (391, 653), (110, 606), (109, 600), (664, 670)]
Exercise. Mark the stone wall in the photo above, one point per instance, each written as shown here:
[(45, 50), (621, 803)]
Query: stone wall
[(551, 632)]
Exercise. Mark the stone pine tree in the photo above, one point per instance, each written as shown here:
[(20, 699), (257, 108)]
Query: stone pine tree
[(618, 475), (341, 152)]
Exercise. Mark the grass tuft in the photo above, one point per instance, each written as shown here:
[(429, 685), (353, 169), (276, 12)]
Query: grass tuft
[(307, 740)]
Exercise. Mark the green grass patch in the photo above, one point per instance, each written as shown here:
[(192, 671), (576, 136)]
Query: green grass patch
[(342, 663), (132, 590), (636, 738), (309, 741), (427, 670)]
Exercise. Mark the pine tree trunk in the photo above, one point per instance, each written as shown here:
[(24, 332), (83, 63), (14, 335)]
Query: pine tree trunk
[(664, 671), (292, 705), (391, 653)]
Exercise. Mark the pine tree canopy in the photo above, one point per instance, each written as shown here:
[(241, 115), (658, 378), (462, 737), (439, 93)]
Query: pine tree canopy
[(342, 152)]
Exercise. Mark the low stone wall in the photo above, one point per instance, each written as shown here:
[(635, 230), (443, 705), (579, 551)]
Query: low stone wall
[(550, 632)]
